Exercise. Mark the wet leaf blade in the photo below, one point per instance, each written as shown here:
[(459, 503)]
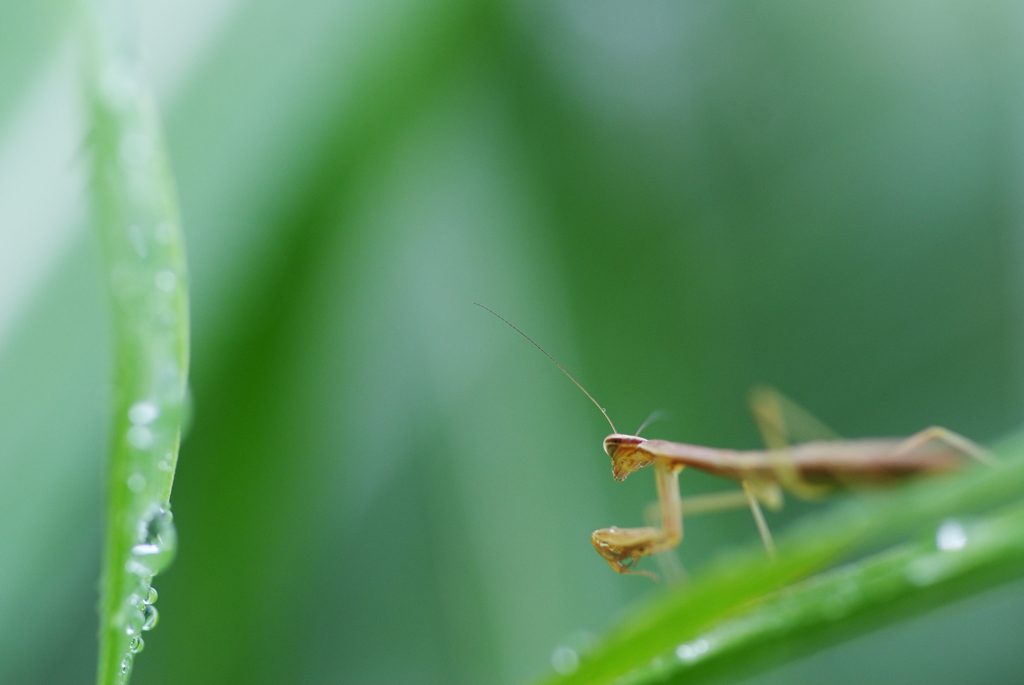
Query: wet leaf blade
[(137, 219)]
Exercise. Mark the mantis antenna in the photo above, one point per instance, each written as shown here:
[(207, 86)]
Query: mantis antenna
[(655, 416), (554, 360)]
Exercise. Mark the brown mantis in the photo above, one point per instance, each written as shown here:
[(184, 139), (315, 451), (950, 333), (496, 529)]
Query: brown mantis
[(808, 470)]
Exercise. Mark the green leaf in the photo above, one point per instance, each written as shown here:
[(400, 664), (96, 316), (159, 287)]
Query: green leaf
[(143, 246)]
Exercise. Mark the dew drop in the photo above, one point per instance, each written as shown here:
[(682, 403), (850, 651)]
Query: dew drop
[(135, 568), (140, 437), (156, 543), (150, 615), (144, 549), (136, 482), (136, 620), (165, 280), (151, 597), (143, 413), (164, 465), (136, 644), (565, 660), (688, 651), (950, 536)]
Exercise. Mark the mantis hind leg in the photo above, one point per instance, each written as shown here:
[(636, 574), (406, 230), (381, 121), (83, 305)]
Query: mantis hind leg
[(948, 438)]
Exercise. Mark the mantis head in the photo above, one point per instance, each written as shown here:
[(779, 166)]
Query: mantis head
[(626, 454)]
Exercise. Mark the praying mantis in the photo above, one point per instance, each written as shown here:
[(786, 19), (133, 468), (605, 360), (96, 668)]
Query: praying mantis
[(808, 470)]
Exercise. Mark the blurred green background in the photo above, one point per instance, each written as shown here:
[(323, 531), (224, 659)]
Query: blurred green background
[(383, 483)]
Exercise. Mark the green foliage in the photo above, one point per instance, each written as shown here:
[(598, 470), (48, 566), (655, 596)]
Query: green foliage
[(144, 255)]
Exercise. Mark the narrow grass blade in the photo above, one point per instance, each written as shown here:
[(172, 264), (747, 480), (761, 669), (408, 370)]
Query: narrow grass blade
[(961, 559), (137, 218)]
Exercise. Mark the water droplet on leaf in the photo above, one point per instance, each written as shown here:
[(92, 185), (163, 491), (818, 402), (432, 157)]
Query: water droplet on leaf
[(691, 650), (143, 413), (156, 542), (166, 280), (140, 437), (565, 660), (950, 536), (151, 616)]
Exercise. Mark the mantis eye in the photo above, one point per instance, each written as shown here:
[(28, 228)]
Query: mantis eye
[(617, 440)]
